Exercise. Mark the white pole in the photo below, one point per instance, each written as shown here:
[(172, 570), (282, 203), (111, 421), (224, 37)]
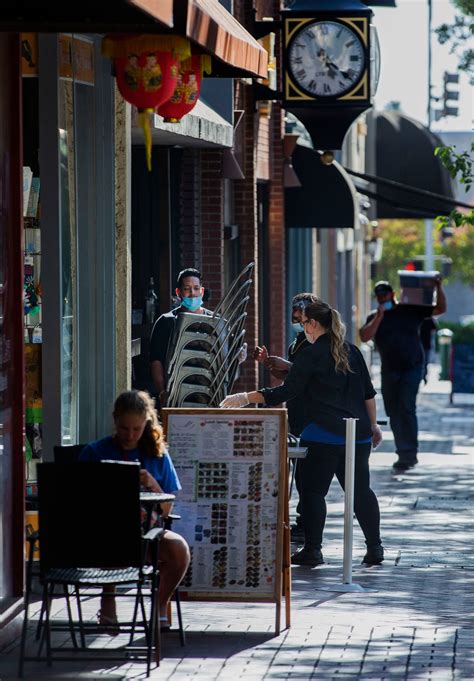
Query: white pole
[(429, 251), (349, 499), (347, 584)]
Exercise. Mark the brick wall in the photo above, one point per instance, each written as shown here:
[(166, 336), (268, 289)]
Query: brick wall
[(212, 223), (190, 191), (245, 210), (276, 233)]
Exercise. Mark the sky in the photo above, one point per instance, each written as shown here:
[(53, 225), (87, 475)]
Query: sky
[(403, 34)]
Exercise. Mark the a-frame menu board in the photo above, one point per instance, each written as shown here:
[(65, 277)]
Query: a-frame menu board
[(232, 464)]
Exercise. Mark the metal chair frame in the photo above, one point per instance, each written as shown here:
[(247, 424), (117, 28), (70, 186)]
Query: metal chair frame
[(63, 544)]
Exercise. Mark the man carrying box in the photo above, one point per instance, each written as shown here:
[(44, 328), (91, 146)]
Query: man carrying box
[(396, 331)]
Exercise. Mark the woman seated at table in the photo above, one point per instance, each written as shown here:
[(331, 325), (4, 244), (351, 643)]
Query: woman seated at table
[(139, 437)]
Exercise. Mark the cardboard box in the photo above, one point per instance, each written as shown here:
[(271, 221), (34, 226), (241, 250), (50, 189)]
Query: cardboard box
[(418, 288)]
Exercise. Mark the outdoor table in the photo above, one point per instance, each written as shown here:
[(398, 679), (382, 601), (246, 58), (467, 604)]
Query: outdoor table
[(294, 453)]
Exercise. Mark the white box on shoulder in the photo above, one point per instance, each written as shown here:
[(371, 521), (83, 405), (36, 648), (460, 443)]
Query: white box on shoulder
[(418, 288)]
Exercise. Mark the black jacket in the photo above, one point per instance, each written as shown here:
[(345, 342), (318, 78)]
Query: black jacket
[(329, 396)]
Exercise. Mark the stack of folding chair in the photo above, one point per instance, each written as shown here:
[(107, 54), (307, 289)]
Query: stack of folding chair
[(204, 349)]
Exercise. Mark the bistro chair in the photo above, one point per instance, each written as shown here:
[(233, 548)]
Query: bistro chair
[(90, 535), (67, 453), (70, 454)]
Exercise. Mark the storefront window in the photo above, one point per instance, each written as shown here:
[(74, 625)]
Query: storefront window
[(68, 260)]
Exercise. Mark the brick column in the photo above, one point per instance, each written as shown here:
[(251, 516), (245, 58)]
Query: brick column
[(212, 223), (276, 233), (245, 198)]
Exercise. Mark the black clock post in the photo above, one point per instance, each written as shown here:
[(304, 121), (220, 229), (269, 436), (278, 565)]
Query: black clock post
[(329, 67)]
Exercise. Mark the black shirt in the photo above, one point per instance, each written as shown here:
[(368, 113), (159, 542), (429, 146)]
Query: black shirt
[(398, 336), (329, 396), (162, 332), (296, 406)]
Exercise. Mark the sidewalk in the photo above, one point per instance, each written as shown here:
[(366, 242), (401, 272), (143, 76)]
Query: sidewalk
[(415, 622)]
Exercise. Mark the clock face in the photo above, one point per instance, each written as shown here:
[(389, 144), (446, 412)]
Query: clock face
[(326, 58)]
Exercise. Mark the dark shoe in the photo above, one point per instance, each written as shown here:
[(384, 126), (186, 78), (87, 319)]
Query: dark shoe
[(374, 555), (404, 465), (309, 557)]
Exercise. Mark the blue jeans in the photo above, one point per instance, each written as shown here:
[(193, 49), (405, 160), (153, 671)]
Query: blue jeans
[(399, 391)]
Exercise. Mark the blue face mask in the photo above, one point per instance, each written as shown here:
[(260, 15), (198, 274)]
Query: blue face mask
[(388, 304), (192, 304), (296, 326)]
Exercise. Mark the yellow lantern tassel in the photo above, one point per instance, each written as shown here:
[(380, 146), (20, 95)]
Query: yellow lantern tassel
[(144, 123)]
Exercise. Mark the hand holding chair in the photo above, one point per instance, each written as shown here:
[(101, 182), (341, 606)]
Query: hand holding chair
[(90, 535)]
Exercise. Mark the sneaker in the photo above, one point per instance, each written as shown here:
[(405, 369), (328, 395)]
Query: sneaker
[(309, 557), (404, 465), (374, 555)]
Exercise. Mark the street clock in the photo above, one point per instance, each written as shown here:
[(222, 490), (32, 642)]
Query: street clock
[(330, 66)]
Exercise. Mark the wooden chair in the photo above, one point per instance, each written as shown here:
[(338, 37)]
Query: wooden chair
[(90, 535)]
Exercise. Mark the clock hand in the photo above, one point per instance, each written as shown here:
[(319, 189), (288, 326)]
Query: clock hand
[(332, 65)]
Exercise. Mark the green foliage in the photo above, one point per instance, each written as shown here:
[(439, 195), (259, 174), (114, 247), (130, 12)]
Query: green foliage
[(405, 239), (402, 239), (461, 334), (459, 33), (459, 166), (461, 250)]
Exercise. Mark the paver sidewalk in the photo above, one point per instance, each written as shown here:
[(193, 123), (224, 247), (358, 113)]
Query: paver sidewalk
[(413, 622)]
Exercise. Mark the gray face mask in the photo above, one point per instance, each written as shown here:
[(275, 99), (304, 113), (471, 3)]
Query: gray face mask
[(309, 338)]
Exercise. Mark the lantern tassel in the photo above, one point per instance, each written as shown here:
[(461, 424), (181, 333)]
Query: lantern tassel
[(144, 123)]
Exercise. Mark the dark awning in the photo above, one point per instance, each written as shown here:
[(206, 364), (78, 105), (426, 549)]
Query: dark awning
[(326, 198), (208, 24), (127, 16), (404, 153), (205, 22)]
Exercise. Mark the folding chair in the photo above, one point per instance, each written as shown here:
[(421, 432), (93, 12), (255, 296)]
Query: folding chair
[(90, 535)]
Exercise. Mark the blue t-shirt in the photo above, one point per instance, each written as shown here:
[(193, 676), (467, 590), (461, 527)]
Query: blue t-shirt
[(314, 433), (160, 467)]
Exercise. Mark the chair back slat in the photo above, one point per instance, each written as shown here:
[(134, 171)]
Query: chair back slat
[(67, 453), (89, 514)]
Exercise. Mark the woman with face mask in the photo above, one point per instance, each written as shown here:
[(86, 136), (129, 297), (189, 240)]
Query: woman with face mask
[(332, 377)]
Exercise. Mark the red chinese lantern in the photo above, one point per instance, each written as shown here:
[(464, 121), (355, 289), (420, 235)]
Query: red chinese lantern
[(188, 88), (147, 69)]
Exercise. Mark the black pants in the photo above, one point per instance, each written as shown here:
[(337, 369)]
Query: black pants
[(317, 471), (399, 390)]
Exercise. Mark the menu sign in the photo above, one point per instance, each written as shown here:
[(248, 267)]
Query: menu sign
[(232, 467)]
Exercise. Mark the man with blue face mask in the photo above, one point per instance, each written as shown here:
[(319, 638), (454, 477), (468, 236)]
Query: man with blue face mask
[(395, 329), (190, 292)]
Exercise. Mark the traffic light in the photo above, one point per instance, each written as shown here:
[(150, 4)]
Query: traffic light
[(449, 96), (414, 265)]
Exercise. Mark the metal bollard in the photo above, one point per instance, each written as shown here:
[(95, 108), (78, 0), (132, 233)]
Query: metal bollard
[(347, 584), (445, 341), (349, 500)]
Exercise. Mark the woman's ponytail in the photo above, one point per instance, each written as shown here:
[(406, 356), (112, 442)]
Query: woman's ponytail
[(331, 321)]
